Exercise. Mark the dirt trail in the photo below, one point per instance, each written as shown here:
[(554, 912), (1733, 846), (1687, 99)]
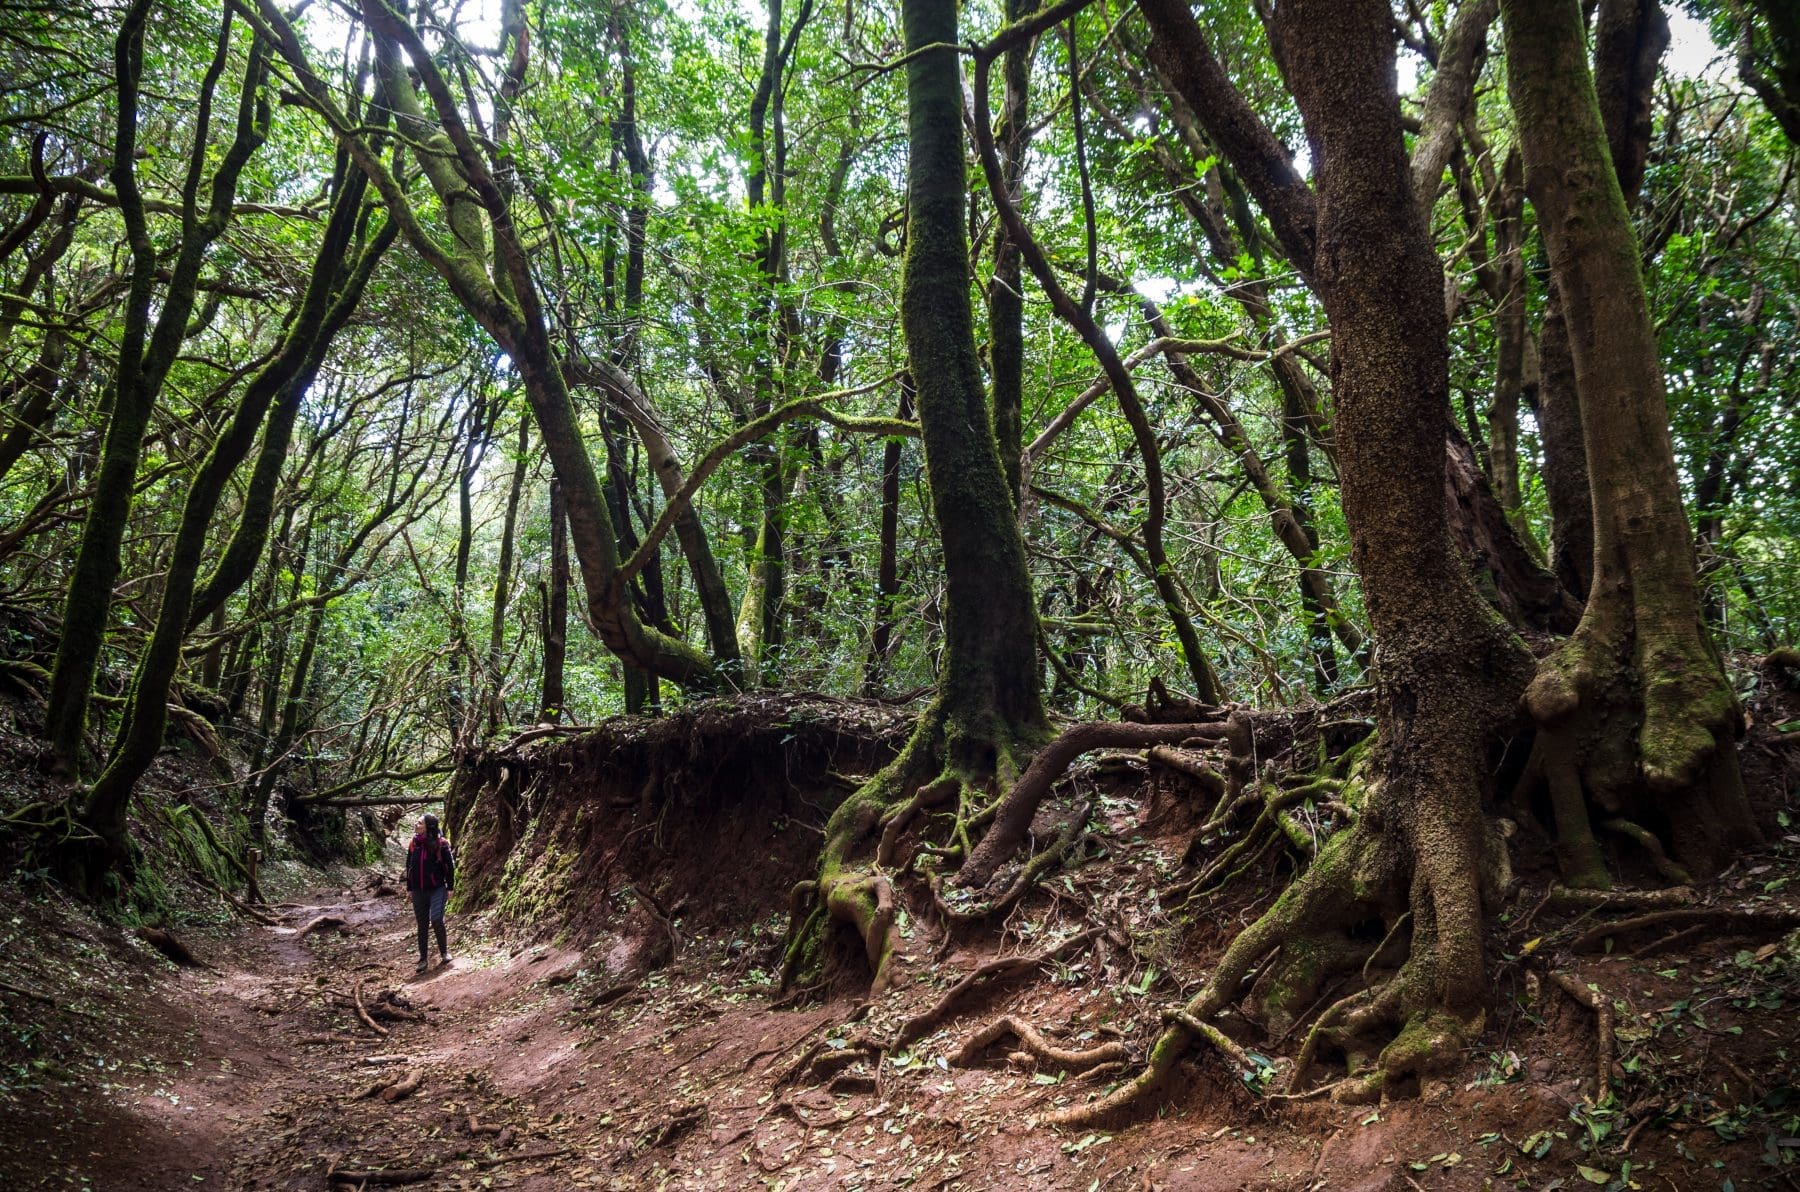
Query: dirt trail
[(260, 1063), (670, 1084), (258, 1066), (676, 1084), (577, 1069)]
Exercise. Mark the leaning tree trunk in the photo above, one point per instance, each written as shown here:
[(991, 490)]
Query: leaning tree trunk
[(320, 315), (989, 710), (146, 355), (1637, 718)]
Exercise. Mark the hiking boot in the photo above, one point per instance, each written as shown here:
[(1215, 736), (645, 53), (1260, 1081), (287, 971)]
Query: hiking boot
[(443, 959), (423, 966)]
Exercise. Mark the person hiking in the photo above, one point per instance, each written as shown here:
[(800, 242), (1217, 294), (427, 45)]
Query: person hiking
[(430, 876)]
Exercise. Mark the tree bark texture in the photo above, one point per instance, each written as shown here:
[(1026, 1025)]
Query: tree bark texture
[(1447, 669), (1635, 711), (989, 710)]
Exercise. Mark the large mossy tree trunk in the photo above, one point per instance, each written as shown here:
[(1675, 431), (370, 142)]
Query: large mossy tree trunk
[(1636, 716), (988, 716), (1421, 865), (1447, 669), (1629, 39)]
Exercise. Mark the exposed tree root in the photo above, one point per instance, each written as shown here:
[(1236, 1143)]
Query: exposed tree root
[(373, 1176), (364, 1176), (1668, 941), (404, 1087), (862, 898), (920, 1025), (1037, 1046), (956, 757), (1160, 706), (898, 820), (781, 1047), (33, 994), (1742, 920), (201, 731), (20, 677), (1646, 840), (1604, 1045), (665, 918), (1563, 898), (680, 1124), (852, 1083), (1033, 871), (363, 1013), (1215, 1036), (867, 902), (1274, 826), (822, 1061), (242, 908), (1208, 779), (171, 946), (393, 1005), (387, 1081), (1012, 820), (322, 923), (786, 1106), (1411, 1021)]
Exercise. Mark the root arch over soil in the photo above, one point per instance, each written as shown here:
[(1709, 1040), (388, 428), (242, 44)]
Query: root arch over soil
[(992, 803), (968, 761)]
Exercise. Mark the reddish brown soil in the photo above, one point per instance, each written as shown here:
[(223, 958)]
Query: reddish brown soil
[(142, 1076), (209, 1080)]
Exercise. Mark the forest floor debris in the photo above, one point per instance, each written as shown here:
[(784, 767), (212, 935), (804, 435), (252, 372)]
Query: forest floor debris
[(183, 1078), (550, 1054)]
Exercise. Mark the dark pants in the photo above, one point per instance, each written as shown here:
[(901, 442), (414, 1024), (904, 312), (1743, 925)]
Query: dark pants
[(428, 911)]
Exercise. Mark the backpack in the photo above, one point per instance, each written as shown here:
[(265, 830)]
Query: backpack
[(425, 865)]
